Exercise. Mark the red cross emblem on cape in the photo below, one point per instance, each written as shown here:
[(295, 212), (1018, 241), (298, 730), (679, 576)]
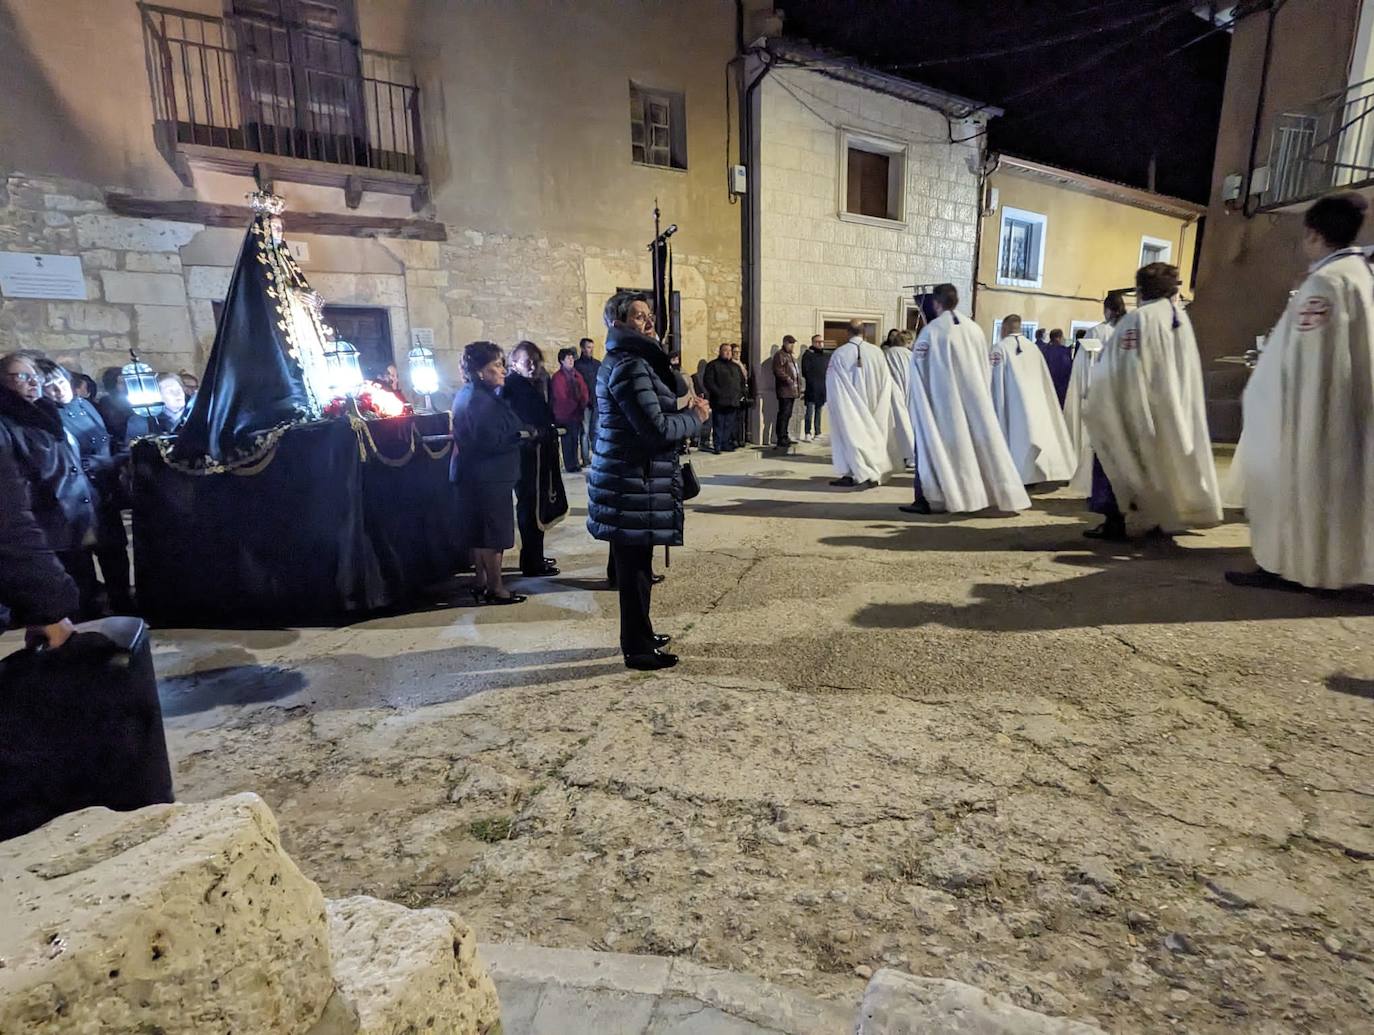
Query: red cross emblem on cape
[(996, 357), (922, 348), (1130, 339), (1313, 313)]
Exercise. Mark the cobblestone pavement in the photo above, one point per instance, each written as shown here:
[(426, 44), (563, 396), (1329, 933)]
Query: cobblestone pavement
[(1099, 782)]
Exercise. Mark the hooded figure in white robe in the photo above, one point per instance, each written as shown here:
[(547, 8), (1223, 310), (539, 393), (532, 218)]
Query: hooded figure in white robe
[(962, 460), (1307, 449), (897, 351), (1089, 348), (1147, 418), (858, 392), (1028, 410)]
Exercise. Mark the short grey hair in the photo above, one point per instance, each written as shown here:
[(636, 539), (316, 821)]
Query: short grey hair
[(618, 306)]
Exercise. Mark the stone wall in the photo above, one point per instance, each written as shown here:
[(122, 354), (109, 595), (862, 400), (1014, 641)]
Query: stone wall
[(151, 285), (818, 263)]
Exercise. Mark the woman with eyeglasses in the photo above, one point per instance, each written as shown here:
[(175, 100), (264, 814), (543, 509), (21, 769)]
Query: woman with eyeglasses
[(60, 497), (485, 467), (104, 465)]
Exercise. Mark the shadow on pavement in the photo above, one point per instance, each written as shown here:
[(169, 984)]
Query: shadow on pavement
[(1171, 586), (1343, 684), (409, 680)]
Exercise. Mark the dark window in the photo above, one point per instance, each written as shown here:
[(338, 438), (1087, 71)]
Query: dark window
[(300, 78), (658, 127), (1021, 248), (367, 328), (836, 332), (869, 177)]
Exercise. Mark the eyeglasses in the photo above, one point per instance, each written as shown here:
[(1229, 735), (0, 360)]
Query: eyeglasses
[(23, 377)]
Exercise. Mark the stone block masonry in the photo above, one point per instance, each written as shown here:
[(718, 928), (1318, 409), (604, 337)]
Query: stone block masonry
[(146, 292)]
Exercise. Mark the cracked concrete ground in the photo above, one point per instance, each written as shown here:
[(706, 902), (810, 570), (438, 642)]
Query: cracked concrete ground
[(1099, 782)]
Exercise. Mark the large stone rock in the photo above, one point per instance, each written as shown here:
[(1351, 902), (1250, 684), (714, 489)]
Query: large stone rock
[(172, 919), (900, 1004), (410, 970)]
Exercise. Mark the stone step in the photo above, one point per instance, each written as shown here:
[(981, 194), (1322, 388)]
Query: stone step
[(901, 1004), (573, 992)]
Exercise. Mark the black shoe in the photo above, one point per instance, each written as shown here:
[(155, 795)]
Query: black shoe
[(1261, 579), (654, 580), (1113, 530), (918, 506), (650, 662), (549, 568), (870, 484), (844, 483), (488, 597), (662, 640)]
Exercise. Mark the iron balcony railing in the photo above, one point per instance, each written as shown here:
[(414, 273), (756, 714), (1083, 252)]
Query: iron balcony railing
[(268, 87), (1325, 146)]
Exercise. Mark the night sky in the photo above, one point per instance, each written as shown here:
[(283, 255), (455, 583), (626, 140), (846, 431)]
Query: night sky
[(1099, 102)]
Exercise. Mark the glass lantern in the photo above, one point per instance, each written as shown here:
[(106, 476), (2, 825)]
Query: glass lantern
[(140, 384), (344, 371), (424, 375)]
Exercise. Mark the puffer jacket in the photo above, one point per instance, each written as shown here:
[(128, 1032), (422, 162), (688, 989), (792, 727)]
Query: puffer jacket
[(634, 485), (60, 495)]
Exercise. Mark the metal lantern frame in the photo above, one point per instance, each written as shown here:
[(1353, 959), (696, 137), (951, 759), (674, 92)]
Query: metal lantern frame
[(344, 368), (140, 386), (424, 374)]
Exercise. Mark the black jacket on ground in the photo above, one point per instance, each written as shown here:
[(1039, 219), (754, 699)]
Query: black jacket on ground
[(724, 384), (60, 495), (814, 364), (634, 485), (34, 587), (486, 437)]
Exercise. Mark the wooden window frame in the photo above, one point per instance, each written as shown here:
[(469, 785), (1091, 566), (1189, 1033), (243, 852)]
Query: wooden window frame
[(897, 154)]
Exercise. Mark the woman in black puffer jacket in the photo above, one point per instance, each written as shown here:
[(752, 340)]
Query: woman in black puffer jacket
[(634, 486)]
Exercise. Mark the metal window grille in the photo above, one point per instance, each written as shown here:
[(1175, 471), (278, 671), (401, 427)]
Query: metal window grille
[(653, 128), (1018, 249)]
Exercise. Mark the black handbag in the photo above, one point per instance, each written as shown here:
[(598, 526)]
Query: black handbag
[(691, 484)]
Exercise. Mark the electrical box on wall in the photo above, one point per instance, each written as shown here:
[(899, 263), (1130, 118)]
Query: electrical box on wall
[(1230, 187), (992, 197), (739, 181)]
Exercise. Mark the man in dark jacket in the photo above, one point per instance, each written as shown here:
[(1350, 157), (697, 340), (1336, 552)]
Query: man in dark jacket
[(60, 497), (634, 485), (35, 590), (786, 383), (813, 367), (588, 366), (169, 419), (724, 384)]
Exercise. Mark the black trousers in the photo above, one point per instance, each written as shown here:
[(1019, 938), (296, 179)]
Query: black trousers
[(782, 431), (634, 569), (527, 523)]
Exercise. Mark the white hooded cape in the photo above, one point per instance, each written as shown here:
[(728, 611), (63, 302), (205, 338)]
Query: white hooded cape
[(858, 389), (961, 453), (1147, 418), (1028, 409), (1307, 449), (1089, 348), (899, 365)]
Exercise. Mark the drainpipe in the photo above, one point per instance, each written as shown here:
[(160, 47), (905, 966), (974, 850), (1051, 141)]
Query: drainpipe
[(1274, 7), (987, 165), (750, 215)]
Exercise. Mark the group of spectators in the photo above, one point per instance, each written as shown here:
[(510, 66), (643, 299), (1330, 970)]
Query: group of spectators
[(629, 417), (63, 456)]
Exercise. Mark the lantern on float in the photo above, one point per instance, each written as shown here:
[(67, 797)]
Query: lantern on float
[(140, 384), (344, 372), (424, 375)]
